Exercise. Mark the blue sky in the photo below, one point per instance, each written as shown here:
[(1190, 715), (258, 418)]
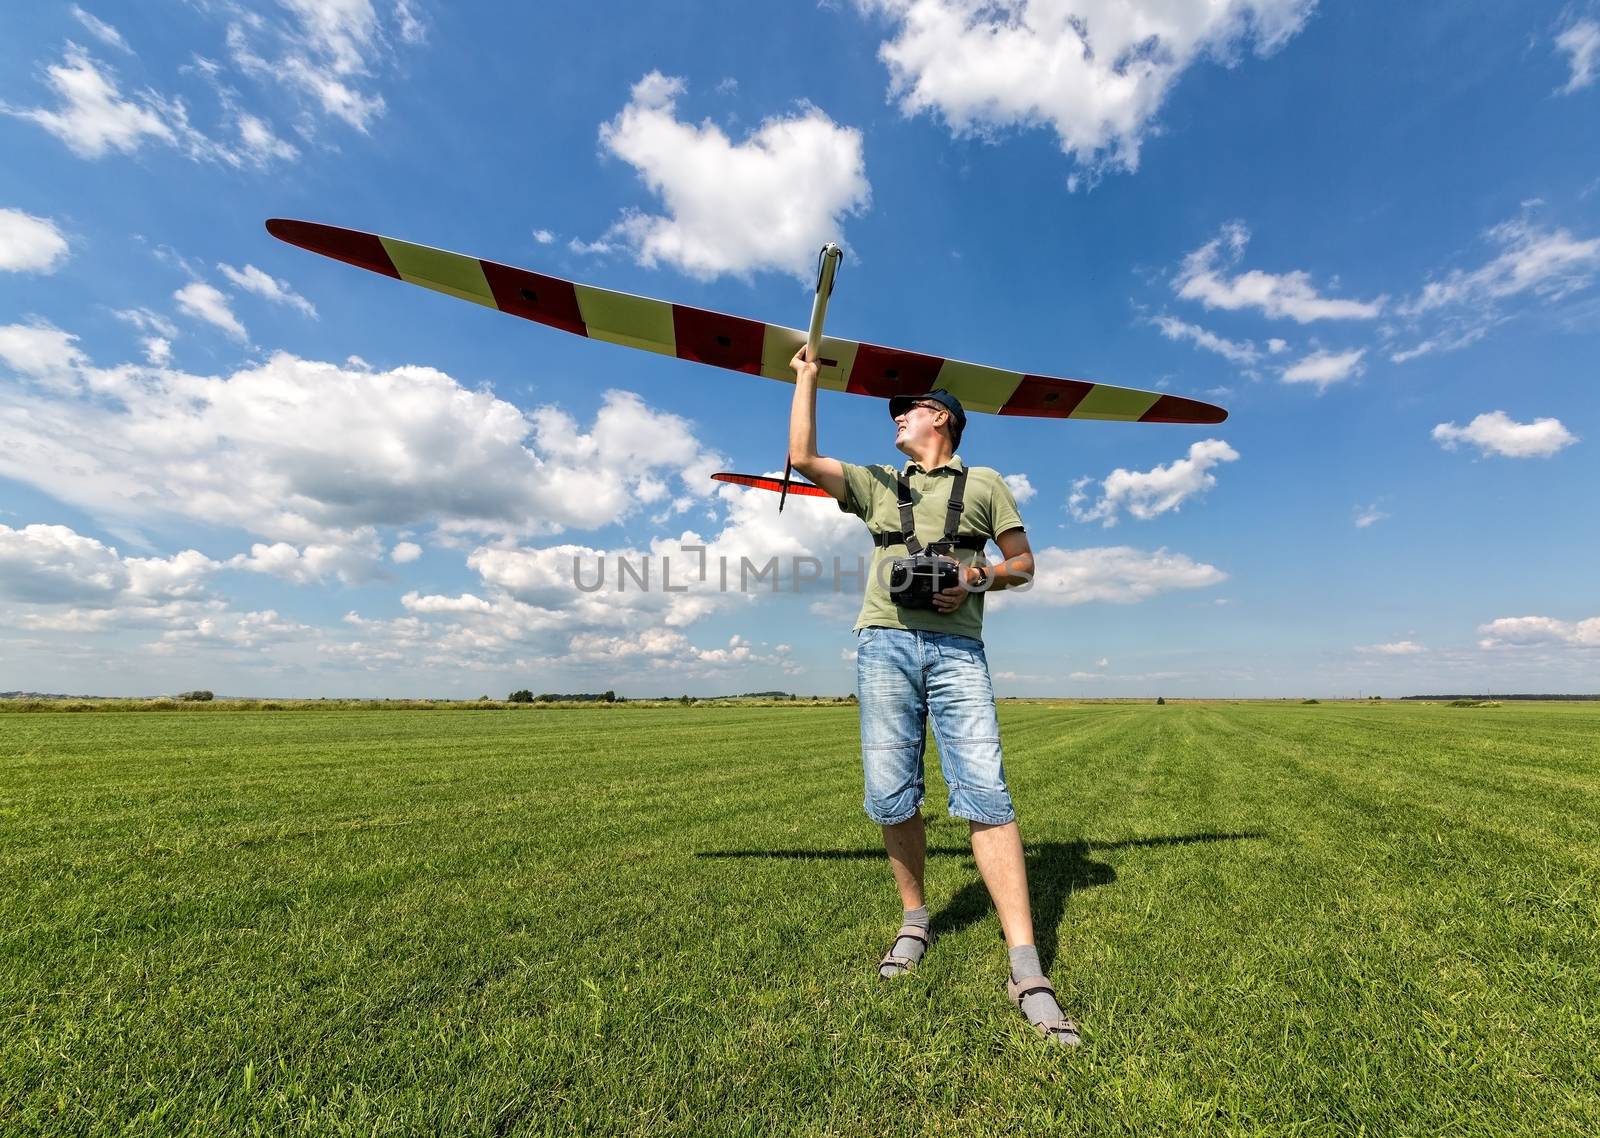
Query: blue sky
[(1372, 231)]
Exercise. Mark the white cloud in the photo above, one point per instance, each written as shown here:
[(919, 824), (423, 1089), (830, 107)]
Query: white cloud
[(72, 583), (1324, 367), (158, 345), (239, 631), (351, 558), (29, 244), (636, 638), (1242, 353), (1148, 494), (207, 302), (735, 563), (100, 30), (337, 97), (1366, 516), (757, 558), (45, 564), (1519, 631), (42, 351), (252, 279), (1117, 574), (596, 248), (1021, 488), (329, 51), (1096, 71), (147, 321), (165, 578), (768, 202), (755, 530), (466, 602), (1132, 677), (609, 470), (93, 117), (529, 599), (260, 146), (1581, 42), (53, 565), (412, 29), (302, 452), (543, 236), (1398, 648), (341, 30), (1445, 342), (1540, 262), (1275, 346), (1550, 263), (1495, 432), (1203, 277), (664, 648), (405, 552), (58, 581)]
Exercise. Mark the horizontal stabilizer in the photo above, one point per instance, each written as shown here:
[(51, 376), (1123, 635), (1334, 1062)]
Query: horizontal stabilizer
[(762, 482)]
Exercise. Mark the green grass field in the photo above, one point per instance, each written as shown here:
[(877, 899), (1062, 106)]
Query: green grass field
[(1269, 919)]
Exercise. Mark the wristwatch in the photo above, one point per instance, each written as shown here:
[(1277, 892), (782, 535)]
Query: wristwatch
[(983, 573)]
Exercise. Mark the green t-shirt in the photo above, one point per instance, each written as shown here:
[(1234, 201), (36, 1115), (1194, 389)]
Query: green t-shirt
[(871, 494)]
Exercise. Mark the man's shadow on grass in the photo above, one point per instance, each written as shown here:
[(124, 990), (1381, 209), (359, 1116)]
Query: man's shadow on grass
[(1056, 870)]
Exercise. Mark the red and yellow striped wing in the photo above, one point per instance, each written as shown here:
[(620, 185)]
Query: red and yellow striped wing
[(734, 342)]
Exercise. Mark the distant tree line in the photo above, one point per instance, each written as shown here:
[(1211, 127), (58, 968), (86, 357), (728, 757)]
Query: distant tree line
[(526, 696), (1568, 698), (27, 701)]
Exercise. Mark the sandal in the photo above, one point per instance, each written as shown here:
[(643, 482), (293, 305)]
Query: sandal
[(905, 963), (1062, 1031)]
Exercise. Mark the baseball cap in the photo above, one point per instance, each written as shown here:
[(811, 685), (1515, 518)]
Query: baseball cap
[(900, 404)]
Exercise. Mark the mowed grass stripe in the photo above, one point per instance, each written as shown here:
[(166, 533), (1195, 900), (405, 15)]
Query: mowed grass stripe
[(1235, 908), (1450, 786), (1268, 918)]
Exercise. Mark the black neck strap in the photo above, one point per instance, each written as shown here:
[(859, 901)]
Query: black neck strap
[(952, 516)]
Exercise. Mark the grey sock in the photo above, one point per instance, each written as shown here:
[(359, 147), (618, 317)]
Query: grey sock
[(908, 947), (1025, 966)]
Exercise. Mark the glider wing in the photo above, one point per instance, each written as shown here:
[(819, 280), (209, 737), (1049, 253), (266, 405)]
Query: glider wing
[(734, 342)]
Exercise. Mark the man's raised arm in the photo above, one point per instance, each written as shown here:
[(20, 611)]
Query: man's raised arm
[(825, 472)]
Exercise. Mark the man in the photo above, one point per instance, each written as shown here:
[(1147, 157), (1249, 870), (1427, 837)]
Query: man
[(912, 662)]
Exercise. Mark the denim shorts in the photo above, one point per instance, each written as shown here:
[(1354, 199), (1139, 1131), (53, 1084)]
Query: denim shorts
[(905, 677)]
